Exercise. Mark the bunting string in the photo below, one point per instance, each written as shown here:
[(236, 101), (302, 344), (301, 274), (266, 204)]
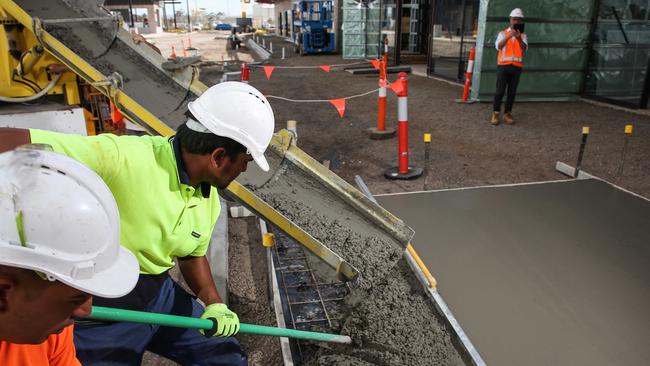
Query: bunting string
[(311, 67), (320, 100)]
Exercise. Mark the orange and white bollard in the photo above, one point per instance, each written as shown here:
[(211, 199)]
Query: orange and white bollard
[(403, 170), (245, 73), (173, 55), (468, 76), (183, 47), (381, 132)]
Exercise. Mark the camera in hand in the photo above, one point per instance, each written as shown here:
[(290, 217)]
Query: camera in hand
[(519, 27)]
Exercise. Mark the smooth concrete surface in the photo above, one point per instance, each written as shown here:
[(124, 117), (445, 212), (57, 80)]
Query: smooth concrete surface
[(556, 273)]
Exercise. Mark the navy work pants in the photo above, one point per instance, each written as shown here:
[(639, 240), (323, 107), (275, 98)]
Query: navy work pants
[(124, 343), (507, 78)]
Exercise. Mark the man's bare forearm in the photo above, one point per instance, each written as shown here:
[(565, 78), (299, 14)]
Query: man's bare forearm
[(197, 274), (11, 138), (522, 44)]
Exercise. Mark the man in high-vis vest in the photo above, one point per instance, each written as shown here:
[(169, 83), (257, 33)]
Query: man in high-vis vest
[(511, 44)]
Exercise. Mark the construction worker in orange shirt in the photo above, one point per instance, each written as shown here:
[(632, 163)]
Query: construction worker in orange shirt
[(59, 245), (511, 45)]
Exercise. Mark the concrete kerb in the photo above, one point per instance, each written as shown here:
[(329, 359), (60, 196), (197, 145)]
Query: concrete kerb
[(568, 170), (218, 252), (640, 112), (259, 51)]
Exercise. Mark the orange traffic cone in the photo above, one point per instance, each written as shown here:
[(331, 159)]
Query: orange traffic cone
[(173, 55)]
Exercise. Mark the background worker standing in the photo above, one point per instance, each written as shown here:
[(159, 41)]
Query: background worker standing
[(511, 44), (59, 244), (165, 191)]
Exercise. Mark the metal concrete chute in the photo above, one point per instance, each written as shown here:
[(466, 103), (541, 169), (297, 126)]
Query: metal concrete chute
[(335, 214), (282, 145)]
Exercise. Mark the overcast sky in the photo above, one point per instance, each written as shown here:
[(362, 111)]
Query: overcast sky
[(230, 7)]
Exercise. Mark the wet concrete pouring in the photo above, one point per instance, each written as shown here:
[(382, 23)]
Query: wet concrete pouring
[(388, 315)]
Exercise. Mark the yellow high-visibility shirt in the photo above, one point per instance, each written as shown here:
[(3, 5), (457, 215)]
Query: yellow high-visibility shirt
[(161, 215)]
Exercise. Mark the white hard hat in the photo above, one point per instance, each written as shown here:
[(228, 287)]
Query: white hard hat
[(59, 218), (516, 13), (238, 111)]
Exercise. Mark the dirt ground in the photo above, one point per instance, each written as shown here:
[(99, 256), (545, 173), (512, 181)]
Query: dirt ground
[(465, 150), (211, 45)]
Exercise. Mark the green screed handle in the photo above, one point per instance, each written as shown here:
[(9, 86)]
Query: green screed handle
[(121, 315)]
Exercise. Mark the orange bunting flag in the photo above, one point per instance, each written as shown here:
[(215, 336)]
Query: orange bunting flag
[(397, 87), (339, 104), (326, 68), (268, 70), (375, 63), (116, 115)]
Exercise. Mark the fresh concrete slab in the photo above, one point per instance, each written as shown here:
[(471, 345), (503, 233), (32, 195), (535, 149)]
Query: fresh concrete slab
[(540, 274)]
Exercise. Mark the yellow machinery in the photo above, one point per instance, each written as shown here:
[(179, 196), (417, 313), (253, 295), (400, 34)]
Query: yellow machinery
[(30, 74)]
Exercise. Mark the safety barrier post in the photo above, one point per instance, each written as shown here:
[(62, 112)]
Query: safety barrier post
[(283, 53), (271, 47), (626, 141), (583, 144), (173, 55), (184, 50), (381, 132), (468, 77), (427, 155), (403, 169), (245, 73)]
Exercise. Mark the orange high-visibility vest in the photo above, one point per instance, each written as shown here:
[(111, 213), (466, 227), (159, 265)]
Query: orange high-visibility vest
[(511, 53)]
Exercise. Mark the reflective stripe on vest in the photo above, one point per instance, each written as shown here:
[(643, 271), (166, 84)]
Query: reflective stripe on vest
[(511, 53)]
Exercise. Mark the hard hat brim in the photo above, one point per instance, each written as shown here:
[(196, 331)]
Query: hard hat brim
[(260, 160), (115, 281)]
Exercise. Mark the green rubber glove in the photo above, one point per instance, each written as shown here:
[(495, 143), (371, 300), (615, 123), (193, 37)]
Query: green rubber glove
[(227, 322)]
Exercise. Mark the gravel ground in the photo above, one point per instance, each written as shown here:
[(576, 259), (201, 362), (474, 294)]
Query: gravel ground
[(211, 45), (465, 150)]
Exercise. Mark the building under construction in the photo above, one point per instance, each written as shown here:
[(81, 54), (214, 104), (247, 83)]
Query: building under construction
[(593, 48)]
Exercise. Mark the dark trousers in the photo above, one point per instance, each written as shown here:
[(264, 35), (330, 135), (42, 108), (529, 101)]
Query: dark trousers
[(507, 77), (123, 344)]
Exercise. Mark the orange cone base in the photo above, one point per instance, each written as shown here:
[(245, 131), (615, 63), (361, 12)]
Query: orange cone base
[(394, 174), (375, 134)]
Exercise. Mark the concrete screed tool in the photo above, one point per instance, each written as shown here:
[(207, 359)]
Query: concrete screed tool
[(121, 315)]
